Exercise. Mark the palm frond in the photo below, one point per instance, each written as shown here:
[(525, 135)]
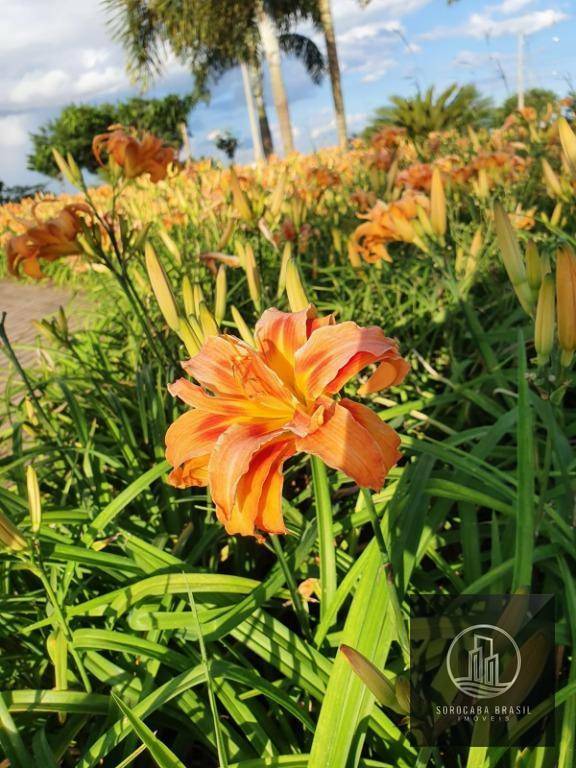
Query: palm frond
[(134, 25), (306, 50)]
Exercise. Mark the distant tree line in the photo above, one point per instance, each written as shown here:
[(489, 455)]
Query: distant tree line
[(455, 107), (72, 131), (12, 194)]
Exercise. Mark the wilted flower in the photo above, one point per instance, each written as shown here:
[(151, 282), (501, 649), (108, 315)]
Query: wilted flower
[(135, 157), (49, 240), (256, 407)]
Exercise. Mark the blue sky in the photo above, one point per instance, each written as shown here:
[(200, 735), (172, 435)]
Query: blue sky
[(57, 51)]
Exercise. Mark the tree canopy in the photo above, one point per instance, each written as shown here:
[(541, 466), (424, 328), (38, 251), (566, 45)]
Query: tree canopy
[(422, 113), (74, 128), (537, 98)]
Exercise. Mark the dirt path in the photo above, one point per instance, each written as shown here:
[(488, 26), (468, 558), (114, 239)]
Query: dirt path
[(24, 303)]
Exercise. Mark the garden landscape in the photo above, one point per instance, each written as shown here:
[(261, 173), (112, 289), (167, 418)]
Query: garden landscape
[(278, 427)]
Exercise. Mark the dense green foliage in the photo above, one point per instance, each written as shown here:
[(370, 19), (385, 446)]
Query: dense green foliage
[(136, 631), (536, 98), (17, 192), (77, 124), (455, 107)]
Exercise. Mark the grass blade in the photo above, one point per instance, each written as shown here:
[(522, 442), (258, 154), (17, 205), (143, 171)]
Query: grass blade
[(162, 756)]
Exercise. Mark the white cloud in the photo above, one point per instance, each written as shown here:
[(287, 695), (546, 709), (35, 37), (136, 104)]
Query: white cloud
[(373, 68), (39, 85), (91, 57), (329, 128), (512, 6), (56, 51), (57, 86), (95, 82), (476, 59), (391, 8), (369, 31), (483, 25), (13, 131)]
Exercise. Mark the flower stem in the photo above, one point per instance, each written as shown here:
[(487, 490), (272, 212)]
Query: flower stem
[(393, 596), (328, 578), (292, 586)]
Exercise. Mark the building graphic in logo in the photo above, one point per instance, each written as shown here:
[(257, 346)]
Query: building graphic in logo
[(481, 662)]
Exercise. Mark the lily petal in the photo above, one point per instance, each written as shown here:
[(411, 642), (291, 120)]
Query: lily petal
[(387, 439), (390, 372), (191, 437), (258, 504), (278, 336), (231, 459), (345, 444), (335, 353), (227, 366)]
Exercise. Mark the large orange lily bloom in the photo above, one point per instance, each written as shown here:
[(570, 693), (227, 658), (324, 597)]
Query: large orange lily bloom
[(150, 155), (49, 240), (253, 408)]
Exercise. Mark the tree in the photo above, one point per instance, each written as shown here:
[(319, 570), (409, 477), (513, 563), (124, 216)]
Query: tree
[(16, 193), (421, 114), (536, 98), (227, 143), (327, 22), (257, 79), (73, 130), (271, 46), (213, 37)]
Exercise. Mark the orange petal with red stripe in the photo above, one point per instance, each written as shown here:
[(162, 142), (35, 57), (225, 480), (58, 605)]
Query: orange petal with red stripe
[(387, 439), (390, 372), (279, 335), (345, 444), (191, 436), (258, 503), (335, 353), (231, 460)]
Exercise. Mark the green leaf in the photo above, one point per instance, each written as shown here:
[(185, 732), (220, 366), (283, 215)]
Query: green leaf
[(162, 756), (524, 546), (340, 732), (123, 499), (11, 740)]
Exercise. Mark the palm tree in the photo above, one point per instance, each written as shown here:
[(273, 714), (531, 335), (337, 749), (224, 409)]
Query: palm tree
[(327, 22), (213, 38), (271, 46), (257, 79)]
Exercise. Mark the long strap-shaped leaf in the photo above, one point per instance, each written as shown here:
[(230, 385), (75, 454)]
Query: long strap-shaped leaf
[(122, 500), (347, 704), (162, 756)]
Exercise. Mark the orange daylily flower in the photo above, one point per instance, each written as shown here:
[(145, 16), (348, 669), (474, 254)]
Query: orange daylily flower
[(386, 223), (388, 138), (254, 408), (49, 240), (150, 155)]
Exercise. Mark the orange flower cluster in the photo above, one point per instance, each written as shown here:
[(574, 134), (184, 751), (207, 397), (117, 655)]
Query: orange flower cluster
[(386, 223), (506, 165), (150, 155), (254, 408), (49, 241), (389, 138)]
